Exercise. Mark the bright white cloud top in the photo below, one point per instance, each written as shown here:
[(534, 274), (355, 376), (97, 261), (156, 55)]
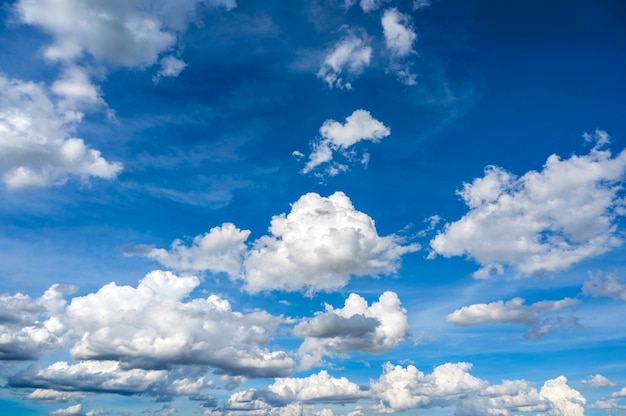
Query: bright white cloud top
[(244, 149), (542, 221)]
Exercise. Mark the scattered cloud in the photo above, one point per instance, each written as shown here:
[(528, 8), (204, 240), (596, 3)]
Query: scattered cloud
[(611, 286), (55, 396), (318, 246), (514, 312), (355, 327), (339, 138), (597, 381), (348, 58), (170, 67), (399, 39), (371, 5), (543, 221), (76, 409), (36, 146)]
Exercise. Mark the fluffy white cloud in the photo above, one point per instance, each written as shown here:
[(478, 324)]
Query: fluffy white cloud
[(355, 327), (29, 327), (338, 137), (513, 311), (610, 286), (318, 246), (621, 393), (597, 381), (76, 92), (36, 147), (152, 327), (371, 5), (399, 36), (347, 59), (543, 221), (564, 400), (320, 387), (400, 388), (127, 33), (55, 396), (94, 376), (220, 250)]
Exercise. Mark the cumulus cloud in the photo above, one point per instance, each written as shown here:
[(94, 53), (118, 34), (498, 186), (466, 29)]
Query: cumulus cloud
[(55, 396), (129, 34), (541, 222), (345, 60), (338, 138), (320, 387), (513, 312), (151, 326), (355, 327), (30, 326), (565, 400), (93, 376), (220, 250), (611, 286), (402, 388), (597, 381), (318, 246), (77, 409), (371, 5), (36, 146)]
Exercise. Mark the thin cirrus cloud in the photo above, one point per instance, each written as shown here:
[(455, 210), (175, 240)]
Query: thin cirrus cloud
[(339, 138), (36, 143), (317, 246), (527, 224)]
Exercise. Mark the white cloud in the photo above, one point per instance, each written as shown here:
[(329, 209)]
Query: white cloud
[(610, 286), (77, 409), (320, 387), (371, 5), (29, 327), (36, 147), (543, 221), (565, 400), (131, 33), (338, 137), (77, 92), (399, 36), (55, 396), (513, 312), (170, 67), (95, 376), (399, 39), (152, 327), (348, 58), (621, 393), (355, 327), (597, 381), (220, 250), (318, 246), (400, 388)]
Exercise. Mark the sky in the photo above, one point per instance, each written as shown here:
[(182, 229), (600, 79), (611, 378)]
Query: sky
[(312, 207)]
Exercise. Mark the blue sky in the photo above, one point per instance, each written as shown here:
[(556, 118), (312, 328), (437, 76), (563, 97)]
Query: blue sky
[(316, 207)]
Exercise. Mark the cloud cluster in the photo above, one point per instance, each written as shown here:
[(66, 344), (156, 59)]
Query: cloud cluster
[(317, 246), (611, 286), (514, 312), (541, 222), (36, 145), (28, 326), (355, 327), (320, 387), (151, 326), (337, 137)]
